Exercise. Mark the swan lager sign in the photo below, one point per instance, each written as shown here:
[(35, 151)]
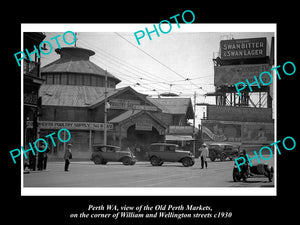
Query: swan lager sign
[(243, 48)]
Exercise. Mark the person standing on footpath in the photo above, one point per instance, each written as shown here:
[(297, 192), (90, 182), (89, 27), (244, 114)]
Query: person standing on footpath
[(45, 155), (68, 156), (203, 155), (40, 161)]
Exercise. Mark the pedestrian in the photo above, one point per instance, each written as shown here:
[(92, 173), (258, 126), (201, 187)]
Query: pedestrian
[(32, 161), (203, 155), (40, 161), (45, 158), (67, 157)]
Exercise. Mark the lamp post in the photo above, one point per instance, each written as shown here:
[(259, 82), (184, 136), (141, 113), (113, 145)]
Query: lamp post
[(105, 111)]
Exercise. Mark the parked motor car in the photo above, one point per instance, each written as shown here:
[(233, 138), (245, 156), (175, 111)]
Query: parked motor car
[(109, 153), (222, 151), (164, 152)]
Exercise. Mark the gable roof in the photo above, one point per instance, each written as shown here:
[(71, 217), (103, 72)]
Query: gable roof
[(130, 114), (121, 91), (174, 105)]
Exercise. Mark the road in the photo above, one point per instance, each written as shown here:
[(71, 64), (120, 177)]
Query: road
[(142, 174)]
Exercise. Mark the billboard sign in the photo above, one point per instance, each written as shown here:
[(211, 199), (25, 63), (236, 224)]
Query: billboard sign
[(243, 114), (241, 132), (243, 48), (230, 75)]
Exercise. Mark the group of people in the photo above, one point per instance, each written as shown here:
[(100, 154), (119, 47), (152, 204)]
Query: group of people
[(42, 159)]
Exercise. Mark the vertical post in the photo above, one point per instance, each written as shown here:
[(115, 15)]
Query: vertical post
[(105, 111), (64, 142), (194, 123), (120, 136), (90, 141)]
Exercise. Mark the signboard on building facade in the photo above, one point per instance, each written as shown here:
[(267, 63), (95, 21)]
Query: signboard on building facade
[(71, 125), (180, 130), (127, 104), (243, 48), (242, 132), (230, 75), (243, 114), (143, 126)]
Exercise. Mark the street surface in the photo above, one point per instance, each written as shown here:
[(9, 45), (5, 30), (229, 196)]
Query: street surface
[(142, 174)]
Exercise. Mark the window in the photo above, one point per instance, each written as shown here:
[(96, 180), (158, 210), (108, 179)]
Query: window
[(79, 79), (64, 79), (87, 80), (94, 81), (49, 79), (71, 79), (56, 78)]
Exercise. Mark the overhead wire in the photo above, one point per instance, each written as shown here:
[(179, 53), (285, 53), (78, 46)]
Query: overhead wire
[(125, 66)]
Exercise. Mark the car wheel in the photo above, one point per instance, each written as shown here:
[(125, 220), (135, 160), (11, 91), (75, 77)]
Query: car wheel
[(222, 157), (235, 175), (154, 161), (187, 162), (97, 160), (212, 158), (271, 173), (126, 161)]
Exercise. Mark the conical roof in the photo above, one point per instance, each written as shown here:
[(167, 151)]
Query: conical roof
[(75, 60)]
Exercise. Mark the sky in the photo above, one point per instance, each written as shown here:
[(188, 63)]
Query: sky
[(179, 62)]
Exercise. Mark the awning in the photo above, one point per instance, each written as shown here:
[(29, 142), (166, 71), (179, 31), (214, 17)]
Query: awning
[(179, 137)]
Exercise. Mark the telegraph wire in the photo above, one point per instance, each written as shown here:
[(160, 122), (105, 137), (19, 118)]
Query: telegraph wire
[(140, 78), (186, 79)]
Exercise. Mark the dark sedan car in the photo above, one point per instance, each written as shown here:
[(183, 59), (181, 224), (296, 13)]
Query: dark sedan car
[(109, 153), (222, 151)]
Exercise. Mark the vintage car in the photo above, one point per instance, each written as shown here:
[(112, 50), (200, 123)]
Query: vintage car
[(164, 152), (109, 153), (246, 171), (222, 151)]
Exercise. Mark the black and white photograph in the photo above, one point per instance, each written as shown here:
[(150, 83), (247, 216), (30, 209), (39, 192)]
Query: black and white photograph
[(138, 115), (166, 113)]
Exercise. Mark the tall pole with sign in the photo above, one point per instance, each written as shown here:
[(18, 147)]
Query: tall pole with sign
[(105, 111)]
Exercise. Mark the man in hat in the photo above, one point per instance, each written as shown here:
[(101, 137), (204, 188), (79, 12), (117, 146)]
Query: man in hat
[(203, 155), (67, 157)]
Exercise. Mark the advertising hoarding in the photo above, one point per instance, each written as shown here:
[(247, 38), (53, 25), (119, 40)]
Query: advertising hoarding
[(232, 74), (243, 48), (240, 132), (243, 114)]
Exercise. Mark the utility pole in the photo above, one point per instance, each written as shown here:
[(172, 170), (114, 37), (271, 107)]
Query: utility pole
[(194, 123), (105, 111)]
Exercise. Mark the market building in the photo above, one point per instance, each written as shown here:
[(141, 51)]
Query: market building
[(74, 94)]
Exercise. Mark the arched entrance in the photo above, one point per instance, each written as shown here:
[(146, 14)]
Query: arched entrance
[(139, 140)]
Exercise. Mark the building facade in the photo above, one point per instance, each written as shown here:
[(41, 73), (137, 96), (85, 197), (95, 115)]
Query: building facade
[(73, 97), (32, 82)]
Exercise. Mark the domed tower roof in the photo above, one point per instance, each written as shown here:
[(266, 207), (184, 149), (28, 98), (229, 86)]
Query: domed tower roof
[(75, 60)]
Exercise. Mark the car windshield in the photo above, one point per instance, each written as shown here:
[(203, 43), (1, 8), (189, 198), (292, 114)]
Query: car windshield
[(227, 147)]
